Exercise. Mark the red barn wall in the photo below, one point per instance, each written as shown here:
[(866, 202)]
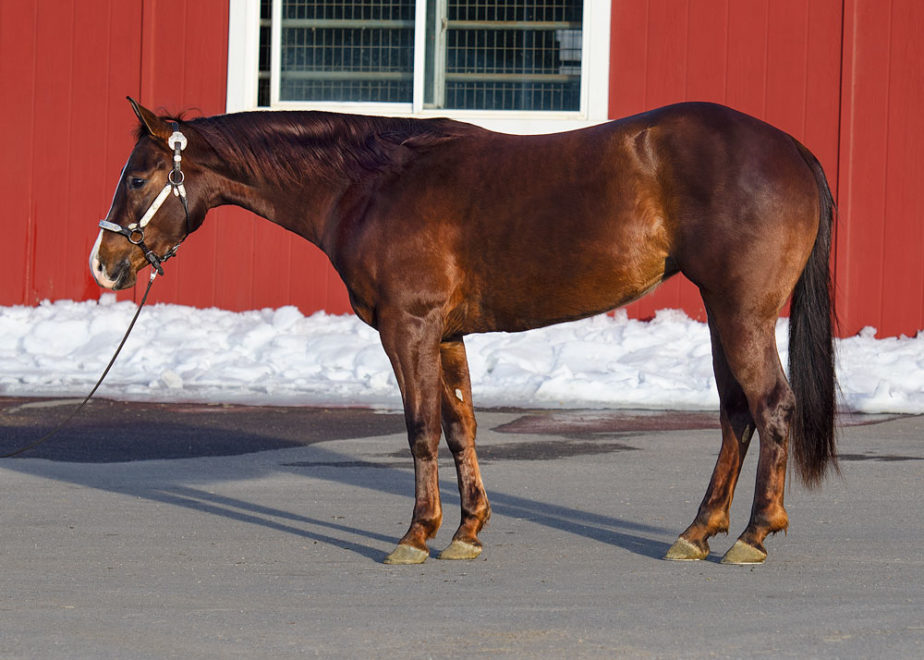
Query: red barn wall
[(65, 68), (236, 261), (880, 239), (843, 76)]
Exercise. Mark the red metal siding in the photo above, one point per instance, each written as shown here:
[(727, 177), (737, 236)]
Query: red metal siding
[(67, 66), (62, 66), (235, 261), (778, 60), (880, 269), (17, 76)]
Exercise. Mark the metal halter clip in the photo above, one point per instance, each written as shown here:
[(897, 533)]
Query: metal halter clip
[(175, 176), (177, 141)]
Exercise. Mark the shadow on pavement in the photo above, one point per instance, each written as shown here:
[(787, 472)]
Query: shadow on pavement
[(118, 432)]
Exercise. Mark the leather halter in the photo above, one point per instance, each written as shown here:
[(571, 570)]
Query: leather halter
[(135, 231)]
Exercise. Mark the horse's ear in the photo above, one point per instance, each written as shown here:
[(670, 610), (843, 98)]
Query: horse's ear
[(155, 126)]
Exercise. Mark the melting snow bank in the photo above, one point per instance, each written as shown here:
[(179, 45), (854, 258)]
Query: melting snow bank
[(279, 357)]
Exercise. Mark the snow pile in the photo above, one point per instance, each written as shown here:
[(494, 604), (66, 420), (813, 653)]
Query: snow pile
[(281, 357)]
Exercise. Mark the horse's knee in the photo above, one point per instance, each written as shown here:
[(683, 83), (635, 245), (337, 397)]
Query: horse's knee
[(460, 435), (423, 438)]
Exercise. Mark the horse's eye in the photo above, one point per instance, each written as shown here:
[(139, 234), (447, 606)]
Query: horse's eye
[(135, 182)]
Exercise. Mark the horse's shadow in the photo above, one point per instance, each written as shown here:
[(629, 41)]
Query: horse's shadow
[(79, 456)]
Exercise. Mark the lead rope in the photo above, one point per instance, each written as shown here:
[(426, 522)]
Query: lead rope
[(83, 403)]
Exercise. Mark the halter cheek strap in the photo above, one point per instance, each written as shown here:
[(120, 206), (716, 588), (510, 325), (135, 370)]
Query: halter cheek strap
[(146, 218), (135, 231)]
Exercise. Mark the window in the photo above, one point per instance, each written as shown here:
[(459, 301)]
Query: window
[(353, 51), (532, 61)]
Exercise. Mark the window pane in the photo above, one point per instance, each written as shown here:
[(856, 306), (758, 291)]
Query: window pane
[(480, 54), (360, 50), (513, 55)]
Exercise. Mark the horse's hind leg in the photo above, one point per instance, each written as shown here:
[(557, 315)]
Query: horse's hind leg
[(737, 428), (459, 428), (749, 342)]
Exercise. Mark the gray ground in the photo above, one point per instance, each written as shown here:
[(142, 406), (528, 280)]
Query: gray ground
[(158, 531)]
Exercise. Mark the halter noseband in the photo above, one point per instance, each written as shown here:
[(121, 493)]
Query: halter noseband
[(135, 231)]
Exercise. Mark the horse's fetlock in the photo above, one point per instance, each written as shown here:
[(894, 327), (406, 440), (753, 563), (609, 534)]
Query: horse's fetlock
[(712, 522), (718, 523), (775, 520)]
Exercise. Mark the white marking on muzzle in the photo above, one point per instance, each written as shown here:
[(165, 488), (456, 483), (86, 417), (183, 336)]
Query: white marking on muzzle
[(96, 268)]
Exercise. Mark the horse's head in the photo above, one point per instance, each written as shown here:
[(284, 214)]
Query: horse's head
[(150, 213)]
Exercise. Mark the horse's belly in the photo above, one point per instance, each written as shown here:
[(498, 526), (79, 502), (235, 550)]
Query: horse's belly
[(560, 296)]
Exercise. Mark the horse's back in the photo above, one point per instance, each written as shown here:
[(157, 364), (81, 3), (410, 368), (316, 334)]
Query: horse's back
[(542, 229), (514, 232)]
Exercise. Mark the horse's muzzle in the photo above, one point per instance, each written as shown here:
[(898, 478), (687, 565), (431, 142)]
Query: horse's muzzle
[(121, 275)]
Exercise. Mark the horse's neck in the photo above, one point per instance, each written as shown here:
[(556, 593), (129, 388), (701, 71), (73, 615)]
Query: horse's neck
[(303, 206), (300, 209), (305, 171)]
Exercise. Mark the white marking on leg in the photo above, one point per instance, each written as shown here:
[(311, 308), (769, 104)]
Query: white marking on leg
[(459, 395)]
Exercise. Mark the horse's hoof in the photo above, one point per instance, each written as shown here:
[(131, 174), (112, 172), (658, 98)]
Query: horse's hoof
[(406, 554), (742, 553), (683, 550), (460, 550)]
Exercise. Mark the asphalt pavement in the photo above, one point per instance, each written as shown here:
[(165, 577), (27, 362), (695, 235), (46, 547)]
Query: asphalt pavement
[(194, 531)]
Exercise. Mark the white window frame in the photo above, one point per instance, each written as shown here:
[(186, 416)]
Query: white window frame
[(243, 65)]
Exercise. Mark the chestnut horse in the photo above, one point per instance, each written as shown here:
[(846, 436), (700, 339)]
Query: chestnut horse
[(440, 229)]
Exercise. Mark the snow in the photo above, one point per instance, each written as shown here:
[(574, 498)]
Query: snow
[(280, 357)]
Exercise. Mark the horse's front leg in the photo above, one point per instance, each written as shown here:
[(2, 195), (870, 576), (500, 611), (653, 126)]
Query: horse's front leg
[(459, 428), (412, 344)]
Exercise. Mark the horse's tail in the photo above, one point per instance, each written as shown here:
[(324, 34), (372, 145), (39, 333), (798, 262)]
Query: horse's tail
[(811, 347)]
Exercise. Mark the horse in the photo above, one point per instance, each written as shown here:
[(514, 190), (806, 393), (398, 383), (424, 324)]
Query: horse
[(440, 229)]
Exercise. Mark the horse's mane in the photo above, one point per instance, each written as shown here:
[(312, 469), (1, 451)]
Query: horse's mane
[(298, 146)]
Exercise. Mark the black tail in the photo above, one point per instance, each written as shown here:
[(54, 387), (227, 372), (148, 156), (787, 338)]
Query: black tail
[(811, 348)]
